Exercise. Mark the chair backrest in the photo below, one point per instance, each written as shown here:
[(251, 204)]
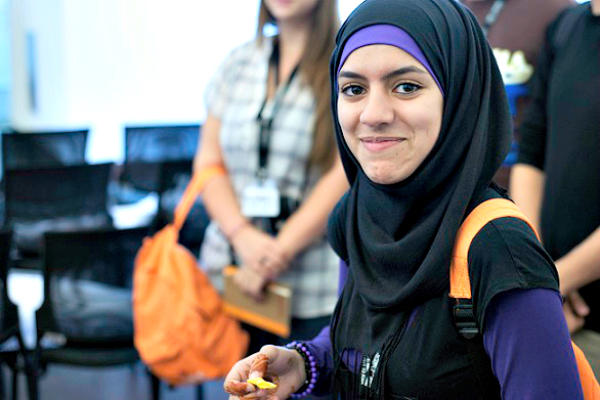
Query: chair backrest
[(70, 198), (173, 174), (147, 147), (9, 322), (88, 280), (161, 143), (44, 193), (43, 149)]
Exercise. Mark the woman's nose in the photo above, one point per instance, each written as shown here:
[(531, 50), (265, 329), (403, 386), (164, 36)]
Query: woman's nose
[(377, 111)]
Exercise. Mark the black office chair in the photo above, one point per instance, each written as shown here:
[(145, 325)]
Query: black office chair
[(147, 146), (9, 322), (54, 199), (11, 342), (43, 149), (87, 299)]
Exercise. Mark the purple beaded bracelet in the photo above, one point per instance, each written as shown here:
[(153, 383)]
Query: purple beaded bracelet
[(310, 366)]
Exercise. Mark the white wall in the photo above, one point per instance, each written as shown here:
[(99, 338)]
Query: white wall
[(107, 63), (43, 20)]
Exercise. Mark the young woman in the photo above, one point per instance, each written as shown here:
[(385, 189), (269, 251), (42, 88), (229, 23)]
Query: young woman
[(269, 124), (422, 124)]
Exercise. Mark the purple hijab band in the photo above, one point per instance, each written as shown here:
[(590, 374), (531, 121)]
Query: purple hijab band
[(390, 35)]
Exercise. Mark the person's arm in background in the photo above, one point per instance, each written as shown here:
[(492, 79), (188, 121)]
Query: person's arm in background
[(221, 203), (309, 221), (527, 175), (582, 264), (527, 189)]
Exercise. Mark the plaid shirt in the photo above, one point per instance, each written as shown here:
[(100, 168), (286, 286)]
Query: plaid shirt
[(235, 96)]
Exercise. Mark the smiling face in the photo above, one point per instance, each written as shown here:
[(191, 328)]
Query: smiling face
[(390, 111)]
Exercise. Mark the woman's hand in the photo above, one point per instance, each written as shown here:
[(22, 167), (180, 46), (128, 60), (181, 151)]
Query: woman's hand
[(284, 364), (250, 282), (575, 310), (260, 252)]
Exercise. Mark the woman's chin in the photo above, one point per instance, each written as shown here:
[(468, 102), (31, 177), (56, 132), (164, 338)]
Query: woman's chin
[(384, 177)]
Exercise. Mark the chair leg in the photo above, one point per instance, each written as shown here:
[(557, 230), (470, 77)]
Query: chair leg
[(15, 383), (199, 392), (32, 369), (155, 386), (2, 394), (32, 384)]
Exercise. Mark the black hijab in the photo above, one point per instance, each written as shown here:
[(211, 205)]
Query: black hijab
[(397, 239)]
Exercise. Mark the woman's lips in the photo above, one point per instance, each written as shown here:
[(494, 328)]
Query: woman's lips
[(380, 143)]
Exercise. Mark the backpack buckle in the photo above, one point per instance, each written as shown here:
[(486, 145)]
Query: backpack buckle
[(464, 318)]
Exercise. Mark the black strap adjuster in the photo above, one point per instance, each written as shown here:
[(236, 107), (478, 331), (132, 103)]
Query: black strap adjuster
[(464, 319)]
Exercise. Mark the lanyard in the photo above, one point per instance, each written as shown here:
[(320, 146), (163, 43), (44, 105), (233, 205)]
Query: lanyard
[(492, 15), (265, 124)]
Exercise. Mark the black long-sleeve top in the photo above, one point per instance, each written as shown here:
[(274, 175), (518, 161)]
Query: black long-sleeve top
[(561, 135)]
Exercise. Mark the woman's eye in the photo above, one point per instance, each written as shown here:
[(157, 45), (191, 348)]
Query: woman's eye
[(353, 90), (407, 88)]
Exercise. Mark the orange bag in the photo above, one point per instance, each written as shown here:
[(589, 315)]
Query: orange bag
[(180, 329), (460, 285)]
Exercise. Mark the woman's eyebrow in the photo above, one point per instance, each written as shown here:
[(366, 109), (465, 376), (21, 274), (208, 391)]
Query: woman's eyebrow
[(350, 75), (388, 76), (402, 71)]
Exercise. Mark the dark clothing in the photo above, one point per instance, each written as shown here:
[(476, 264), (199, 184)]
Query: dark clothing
[(521, 24), (512, 337), (561, 136), (520, 27), (430, 359), (392, 335), (506, 252)]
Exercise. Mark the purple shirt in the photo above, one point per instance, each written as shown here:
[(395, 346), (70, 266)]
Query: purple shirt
[(529, 362)]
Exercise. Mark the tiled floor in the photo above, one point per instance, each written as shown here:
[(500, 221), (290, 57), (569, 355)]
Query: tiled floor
[(118, 383)]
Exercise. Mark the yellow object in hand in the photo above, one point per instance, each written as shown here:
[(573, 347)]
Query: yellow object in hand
[(261, 383)]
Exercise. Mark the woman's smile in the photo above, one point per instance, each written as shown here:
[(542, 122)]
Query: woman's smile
[(377, 144)]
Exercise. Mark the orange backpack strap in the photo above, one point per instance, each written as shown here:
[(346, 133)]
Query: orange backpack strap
[(193, 189), (589, 383), (460, 285)]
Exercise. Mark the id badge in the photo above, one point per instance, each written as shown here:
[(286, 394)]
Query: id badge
[(261, 199)]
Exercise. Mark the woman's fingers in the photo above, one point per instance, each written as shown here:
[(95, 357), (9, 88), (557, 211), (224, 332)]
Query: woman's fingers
[(574, 322), (578, 304), (250, 282), (235, 381), (272, 259), (282, 366)]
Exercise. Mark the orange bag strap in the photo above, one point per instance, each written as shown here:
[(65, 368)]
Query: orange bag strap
[(589, 384), (460, 285), (199, 180), (489, 210)]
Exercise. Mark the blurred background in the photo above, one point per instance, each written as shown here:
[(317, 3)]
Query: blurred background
[(106, 73), (111, 68), (103, 64)]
